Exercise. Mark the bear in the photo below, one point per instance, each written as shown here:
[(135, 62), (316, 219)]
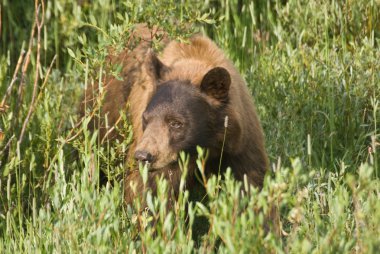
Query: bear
[(197, 90), (190, 95)]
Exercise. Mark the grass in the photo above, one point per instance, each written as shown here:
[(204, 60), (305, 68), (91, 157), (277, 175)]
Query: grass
[(313, 69)]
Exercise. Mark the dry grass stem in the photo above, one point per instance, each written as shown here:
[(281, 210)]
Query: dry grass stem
[(39, 24)]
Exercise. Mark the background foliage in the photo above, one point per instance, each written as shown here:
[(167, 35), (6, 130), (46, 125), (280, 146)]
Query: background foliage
[(313, 68)]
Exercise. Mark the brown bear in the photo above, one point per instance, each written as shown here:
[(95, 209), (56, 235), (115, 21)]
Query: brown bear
[(178, 101)]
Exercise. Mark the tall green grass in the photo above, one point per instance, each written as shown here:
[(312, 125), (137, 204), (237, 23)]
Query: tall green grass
[(314, 71)]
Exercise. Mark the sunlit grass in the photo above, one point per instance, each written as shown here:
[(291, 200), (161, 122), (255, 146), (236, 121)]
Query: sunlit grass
[(313, 69)]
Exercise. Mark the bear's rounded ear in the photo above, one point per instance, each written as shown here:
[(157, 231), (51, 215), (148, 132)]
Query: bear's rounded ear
[(216, 83), (154, 67)]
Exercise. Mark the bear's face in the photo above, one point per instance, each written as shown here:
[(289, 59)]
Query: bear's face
[(180, 115), (178, 118)]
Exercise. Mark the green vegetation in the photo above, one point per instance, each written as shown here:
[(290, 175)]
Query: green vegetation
[(314, 71)]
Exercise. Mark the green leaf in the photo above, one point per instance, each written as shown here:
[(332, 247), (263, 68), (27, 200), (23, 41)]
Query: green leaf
[(71, 53)]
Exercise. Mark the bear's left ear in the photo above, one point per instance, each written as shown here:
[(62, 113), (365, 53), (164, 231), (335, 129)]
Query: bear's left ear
[(154, 66), (216, 83)]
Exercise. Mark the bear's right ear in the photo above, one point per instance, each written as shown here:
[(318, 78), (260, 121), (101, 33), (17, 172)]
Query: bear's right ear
[(154, 67), (216, 83)]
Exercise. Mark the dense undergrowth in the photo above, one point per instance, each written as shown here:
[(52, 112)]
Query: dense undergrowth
[(314, 71)]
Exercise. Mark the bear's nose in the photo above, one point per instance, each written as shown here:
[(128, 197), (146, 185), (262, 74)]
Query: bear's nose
[(143, 156)]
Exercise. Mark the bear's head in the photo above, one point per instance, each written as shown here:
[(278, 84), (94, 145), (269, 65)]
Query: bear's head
[(181, 115)]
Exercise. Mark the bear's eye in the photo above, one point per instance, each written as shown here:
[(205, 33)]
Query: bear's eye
[(175, 124)]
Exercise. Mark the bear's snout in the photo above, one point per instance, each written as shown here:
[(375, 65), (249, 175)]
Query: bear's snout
[(144, 156)]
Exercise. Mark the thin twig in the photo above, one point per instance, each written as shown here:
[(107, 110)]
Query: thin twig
[(7, 145), (70, 136), (33, 106), (23, 74), (14, 78), (45, 80), (39, 24), (111, 129)]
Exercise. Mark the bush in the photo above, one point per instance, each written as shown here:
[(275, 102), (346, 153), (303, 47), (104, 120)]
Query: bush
[(312, 68)]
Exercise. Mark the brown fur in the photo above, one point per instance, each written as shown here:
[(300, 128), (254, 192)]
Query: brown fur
[(245, 140), (134, 88), (244, 145)]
